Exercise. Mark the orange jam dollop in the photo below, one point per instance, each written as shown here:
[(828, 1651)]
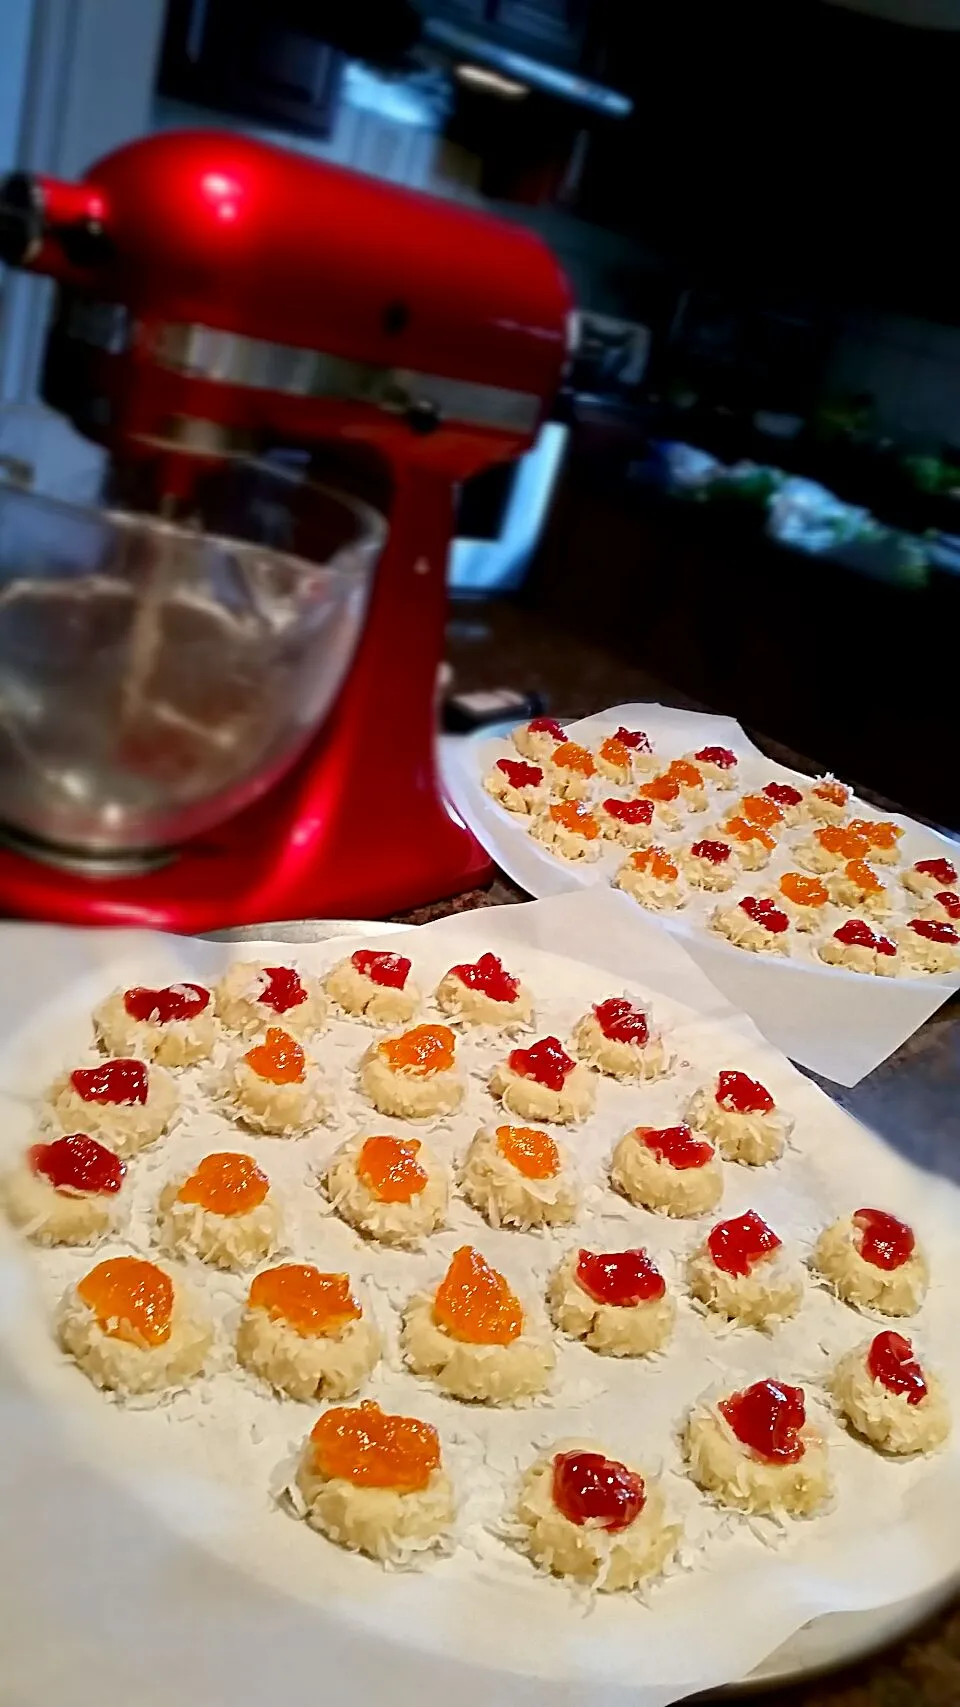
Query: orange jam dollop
[(615, 753), (758, 809), (571, 757), (849, 844), (864, 876), (533, 1153), (372, 1449), (686, 774), (656, 862), (389, 1168), (474, 1303), (425, 1050), (663, 787), (313, 1304), (805, 891), (574, 816), (227, 1183), (836, 793), (880, 832), (279, 1058), (743, 831), (131, 1299)]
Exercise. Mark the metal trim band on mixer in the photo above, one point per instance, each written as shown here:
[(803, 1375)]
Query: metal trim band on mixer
[(229, 358)]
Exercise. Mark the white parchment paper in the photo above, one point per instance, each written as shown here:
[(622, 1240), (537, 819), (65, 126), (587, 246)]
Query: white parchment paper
[(841, 1024)]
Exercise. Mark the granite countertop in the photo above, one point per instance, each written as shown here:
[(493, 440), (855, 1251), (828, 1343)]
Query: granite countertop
[(913, 1098)]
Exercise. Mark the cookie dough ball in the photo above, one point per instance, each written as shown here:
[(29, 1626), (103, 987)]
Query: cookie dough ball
[(570, 771), (945, 906), (252, 995), (519, 1177), (617, 1038), (306, 1333), (889, 1398), (754, 923), (414, 1075), (224, 1213), (615, 1301), (569, 829), (827, 801), (123, 1103), (272, 1088), (173, 1026), (884, 837), (375, 1483), (652, 877), (614, 761), (690, 780), (538, 739), (858, 885), (788, 799), (668, 1169), (805, 900), (390, 1189), (374, 986), (752, 845), (928, 875), (69, 1192), (626, 821), (485, 993), (473, 1338), (740, 1272), (517, 786), (755, 1450), (131, 1329), (873, 1260), (830, 848), (664, 794), (709, 864), (858, 947), (741, 1117), (929, 945), (544, 1083), (719, 765), (587, 1516)]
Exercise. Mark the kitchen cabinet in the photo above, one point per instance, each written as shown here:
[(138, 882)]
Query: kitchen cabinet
[(232, 55), (555, 30)]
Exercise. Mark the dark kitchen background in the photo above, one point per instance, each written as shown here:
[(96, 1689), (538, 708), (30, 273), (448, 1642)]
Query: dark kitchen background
[(752, 484)]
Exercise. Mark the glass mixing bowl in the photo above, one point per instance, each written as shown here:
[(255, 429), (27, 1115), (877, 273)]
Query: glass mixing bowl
[(154, 678)]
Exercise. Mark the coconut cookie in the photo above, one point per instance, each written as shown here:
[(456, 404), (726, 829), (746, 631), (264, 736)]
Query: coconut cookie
[(929, 945), (485, 993), (858, 947), (570, 770), (615, 1301), (617, 1038), (690, 779), (252, 995), (626, 821), (827, 801), (805, 900), (829, 849), (173, 1026), (519, 1177), (374, 986), (788, 799), (945, 906), (131, 1329), (884, 837), (709, 864), (273, 1088), (473, 1338), (375, 1483), (123, 1103), (584, 1515), (652, 877), (306, 1334), (414, 1075), (664, 793), (752, 844), (390, 1189), (544, 1083), (518, 786), (928, 875), (65, 1193), (741, 1274), (223, 1213), (755, 923), (889, 1398), (667, 1169), (741, 1117), (756, 1451), (873, 1260), (761, 810), (537, 739), (569, 829), (643, 760), (614, 761), (858, 885), (718, 764)]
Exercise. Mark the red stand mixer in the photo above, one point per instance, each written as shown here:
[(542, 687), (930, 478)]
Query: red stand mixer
[(217, 689)]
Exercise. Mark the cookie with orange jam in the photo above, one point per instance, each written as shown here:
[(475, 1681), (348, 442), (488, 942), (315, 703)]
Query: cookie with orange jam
[(132, 1329), (570, 829), (390, 1189), (884, 837), (652, 877), (414, 1075), (375, 1483), (804, 898), (830, 847), (691, 781), (752, 844), (518, 1176), (473, 1338), (274, 1087), (307, 1333), (570, 771), (827, 800), (223, 1212), (858, 886)]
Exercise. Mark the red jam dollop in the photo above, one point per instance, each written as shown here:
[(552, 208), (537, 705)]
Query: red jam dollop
[(630, 811), (283, 989), (490, 977), (737, 1244), (782, 794), (120, 1081), (547, 1062), (635, 739), (949, 901), (519, 774), (765, 913), (740, 1094), (622, 1021), (890, 1361), (676, 1145), (589, 1488), (856, 933), (547, 726), (722, 757), (79, 1164), (767, 1418), (621, 1278), (717, 853), (935, 930), (390, 971), (163, 1007), (884, 1241), (940, 869)]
